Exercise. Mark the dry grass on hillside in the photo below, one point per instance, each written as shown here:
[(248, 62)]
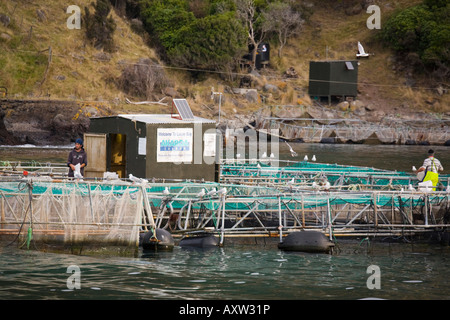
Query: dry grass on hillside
[(79, 71)]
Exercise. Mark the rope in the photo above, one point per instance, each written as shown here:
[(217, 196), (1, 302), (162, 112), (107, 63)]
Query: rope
[(30, 199), (29, 209)]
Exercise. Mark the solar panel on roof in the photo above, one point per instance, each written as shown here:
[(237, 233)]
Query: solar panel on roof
[(349, 65), (184, 110)]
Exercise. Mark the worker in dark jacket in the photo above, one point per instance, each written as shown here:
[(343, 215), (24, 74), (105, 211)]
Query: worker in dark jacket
[(77, 156)]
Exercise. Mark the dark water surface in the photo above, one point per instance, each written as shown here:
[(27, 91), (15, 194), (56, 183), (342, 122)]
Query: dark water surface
[(232, 272)]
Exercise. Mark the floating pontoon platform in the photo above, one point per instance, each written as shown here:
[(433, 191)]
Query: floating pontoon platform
[(75, 213)]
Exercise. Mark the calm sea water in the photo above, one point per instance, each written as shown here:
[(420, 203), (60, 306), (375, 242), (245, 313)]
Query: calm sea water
[(241, 272), (235, 272), (390, 157)]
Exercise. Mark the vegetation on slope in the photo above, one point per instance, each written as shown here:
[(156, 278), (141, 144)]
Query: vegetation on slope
[(157, 41), (422, 35)]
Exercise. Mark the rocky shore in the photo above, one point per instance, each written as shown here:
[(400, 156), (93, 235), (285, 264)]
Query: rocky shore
[(59, 122), (46, 122), (347, 122)]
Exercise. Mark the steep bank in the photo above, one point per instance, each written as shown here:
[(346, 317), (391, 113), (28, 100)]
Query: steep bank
[(74, 72)]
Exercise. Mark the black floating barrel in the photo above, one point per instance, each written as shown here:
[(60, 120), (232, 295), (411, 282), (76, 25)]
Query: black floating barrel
[(306, 241), (199, 241), (161, 241)]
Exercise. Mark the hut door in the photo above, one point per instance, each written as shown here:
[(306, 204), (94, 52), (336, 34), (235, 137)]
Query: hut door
[(95, 146), (118, 154)]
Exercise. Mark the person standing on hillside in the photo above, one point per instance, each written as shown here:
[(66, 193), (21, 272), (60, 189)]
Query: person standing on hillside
[(77, 156)]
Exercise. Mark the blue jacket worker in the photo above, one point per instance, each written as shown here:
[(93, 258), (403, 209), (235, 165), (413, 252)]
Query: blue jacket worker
[(77, 156)]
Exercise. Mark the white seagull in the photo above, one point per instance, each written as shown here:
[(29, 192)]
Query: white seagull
[(201, 193), (133, 178), (293, 153), (213, 191), (361, 52)]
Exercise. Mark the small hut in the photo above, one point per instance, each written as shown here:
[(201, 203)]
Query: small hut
[(333, 79), (167, 146)]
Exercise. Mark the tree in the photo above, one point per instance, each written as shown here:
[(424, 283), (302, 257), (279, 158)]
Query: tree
[(164, 20), (194, 42), (283, 21), (204, 44), (253, 21), (423, 30)]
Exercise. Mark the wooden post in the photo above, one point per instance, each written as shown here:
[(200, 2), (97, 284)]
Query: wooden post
[(392, 210), (303, 212), (2, 208), (329, 219), (375, 209), (279, 219), (48, 66), (147, 208), (222, 234), (410, 211)]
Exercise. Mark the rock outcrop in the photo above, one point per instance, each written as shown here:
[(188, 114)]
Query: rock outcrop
[(46, 122)]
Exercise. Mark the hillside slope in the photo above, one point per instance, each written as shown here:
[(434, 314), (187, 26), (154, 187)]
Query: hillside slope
[(74, 70), (385, 82)]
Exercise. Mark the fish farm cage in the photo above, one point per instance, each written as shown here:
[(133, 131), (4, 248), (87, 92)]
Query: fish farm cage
[(262, 202), (293, 175)]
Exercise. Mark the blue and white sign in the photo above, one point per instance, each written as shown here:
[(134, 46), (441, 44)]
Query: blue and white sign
[(174, 145)]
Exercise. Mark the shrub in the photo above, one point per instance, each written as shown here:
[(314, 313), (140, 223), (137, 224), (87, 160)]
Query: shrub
[(144, 79), (206, 42), (99, 27), (423, 29)]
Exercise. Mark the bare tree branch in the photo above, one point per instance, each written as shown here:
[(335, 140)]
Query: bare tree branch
[(282, 20), (253, 21)]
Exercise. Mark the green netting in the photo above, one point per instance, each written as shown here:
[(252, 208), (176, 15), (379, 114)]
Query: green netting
[(115, 212), (243, 195), (311, 201), (306, 172), (60, 188), (180, 193), (72, 212)]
